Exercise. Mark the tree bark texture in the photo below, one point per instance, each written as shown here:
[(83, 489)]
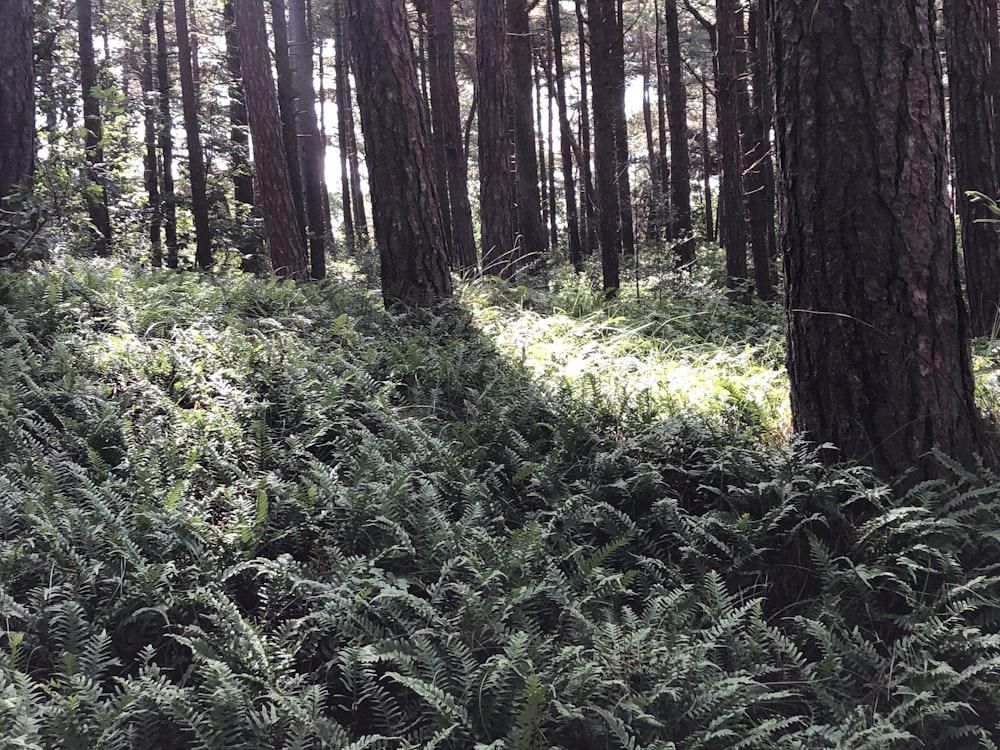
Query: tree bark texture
[(565, 138), (497, 189), (17, 96), (97, 197), (406, 211), (307, 130), (974, 149), (603, 20), (150, 172), (680, 156), (274, 183), (167, 197), (196, 158), (732, 226), (878, 337), (447, 119)]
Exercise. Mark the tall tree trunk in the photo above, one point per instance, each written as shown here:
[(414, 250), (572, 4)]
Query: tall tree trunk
[(17, 102), (602, 17), (732, 226), (406, 210), (529, 200), (497, 188), (97, 198), (623, 181), (341, 70), (345, 109), (196, 159), (655, 201), (588, 194), (168, 197), (150, 172), (762, 206), (974, 147), (706, 159), (680, 156), (550, 139), (286, 108), (288, 255), (448, 118), (878, 337), (307, 129), (662, 110), (565, 138)]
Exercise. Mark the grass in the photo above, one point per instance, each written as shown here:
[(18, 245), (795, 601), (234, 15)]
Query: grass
[(243, 514)]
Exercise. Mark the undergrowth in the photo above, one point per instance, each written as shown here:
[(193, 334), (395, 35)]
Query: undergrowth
[(243, 514)]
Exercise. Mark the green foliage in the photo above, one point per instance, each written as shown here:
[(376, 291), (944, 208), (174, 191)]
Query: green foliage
[(245, 514)]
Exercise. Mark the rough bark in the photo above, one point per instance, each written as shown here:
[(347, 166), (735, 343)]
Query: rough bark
[(288, 255), (732, 224), (97, 197), (17, 98), (565, 138), (196, 158), (286, 108), (150, 171), (239, 135), (307, 130), (602, 16), (878, 337), (529, 199), (497, 188), (166, 138), (680, 156), (406, 210), (974, 150), (588, 195), (448, 121)]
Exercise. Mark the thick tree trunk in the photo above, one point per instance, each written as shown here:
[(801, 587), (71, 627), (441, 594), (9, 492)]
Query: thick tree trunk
[(405, 207), (97, 199), (286, 108), (680, 156), (17, 97), (732, 226), (588, 194), (878, 338), (168, 198), (150, 172), (307, 129), (341, 70), (529, 199), (239, 135), (497, 188), (196, 159), (448, 121), (288, 255), (602, 16), (974, 147), (623, 180), (565, 138)]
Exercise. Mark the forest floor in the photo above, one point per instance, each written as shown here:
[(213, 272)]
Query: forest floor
[(236, 513)]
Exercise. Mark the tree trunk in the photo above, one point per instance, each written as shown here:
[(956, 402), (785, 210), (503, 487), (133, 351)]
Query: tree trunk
[(341, 70), (680, 156), (345, 110), (167, 195), (878, 337), (288, 255), (588, 197), (448, 119), (97, 198), (529, 200), (655, 200), (405, 207), (150, 172), (706, 160), (623, 181), (497, 188), (732, 226), (974, 148), (307, 129), (602, 16), (196, 159), (17, 97), (286, 108), (565, 138)]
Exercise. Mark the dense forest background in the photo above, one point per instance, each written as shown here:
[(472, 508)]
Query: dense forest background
[(499, 374)]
